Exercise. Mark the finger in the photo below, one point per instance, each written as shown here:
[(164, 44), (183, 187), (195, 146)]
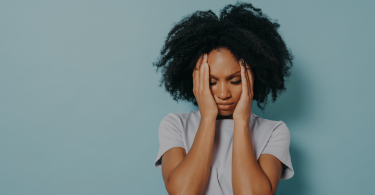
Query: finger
[(252, 83), (205, 60), (195, 80), (250, 78), (243, 77), (205, 80), (196, 73), (247, 79), (201, 74), (199, 62)]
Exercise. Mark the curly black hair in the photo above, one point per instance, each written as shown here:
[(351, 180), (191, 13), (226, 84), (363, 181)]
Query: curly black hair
[(245, 31)]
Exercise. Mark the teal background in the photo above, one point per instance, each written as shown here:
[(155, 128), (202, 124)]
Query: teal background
[(80, 104)]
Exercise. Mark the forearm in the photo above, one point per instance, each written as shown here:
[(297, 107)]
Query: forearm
[(247, 176), (191, 174)]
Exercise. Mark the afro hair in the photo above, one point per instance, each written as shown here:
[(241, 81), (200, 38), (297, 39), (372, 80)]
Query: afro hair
[(245, 31)]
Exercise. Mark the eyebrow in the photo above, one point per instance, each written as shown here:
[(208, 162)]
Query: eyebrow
[(230, 76)]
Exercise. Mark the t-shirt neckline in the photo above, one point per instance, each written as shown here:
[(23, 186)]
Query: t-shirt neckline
[(222, 122)]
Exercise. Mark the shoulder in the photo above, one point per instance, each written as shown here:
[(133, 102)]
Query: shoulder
[(179, 121), (274, 139), (266, 128), (181, 117), (263, 123)]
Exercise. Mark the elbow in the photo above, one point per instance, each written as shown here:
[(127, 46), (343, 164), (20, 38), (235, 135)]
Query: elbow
[(185, 186), (256, 191), (260, 193), (181, 190), (182, 193), (263, 192)]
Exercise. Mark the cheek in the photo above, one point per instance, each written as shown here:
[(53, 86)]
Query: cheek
[(238, 92)]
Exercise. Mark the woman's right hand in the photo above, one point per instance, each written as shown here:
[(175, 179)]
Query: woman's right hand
[(201, 88)]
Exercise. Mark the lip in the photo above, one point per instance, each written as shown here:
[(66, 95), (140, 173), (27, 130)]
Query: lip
[(223, 106), (224, 103)]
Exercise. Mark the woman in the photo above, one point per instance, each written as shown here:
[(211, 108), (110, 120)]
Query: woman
[(221, 65)]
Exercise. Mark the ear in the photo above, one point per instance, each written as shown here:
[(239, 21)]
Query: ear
[(242, 62)]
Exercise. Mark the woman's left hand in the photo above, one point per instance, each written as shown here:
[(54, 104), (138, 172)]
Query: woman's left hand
[(242, 111)]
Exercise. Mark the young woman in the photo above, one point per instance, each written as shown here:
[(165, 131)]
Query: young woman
[(221, 64)]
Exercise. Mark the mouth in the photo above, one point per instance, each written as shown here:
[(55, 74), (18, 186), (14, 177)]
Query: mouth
[(224, 106)]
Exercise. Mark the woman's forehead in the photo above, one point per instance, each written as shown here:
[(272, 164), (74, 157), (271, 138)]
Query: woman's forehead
[(222, 63)]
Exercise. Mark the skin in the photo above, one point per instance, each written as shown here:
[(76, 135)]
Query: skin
[(188, 173)]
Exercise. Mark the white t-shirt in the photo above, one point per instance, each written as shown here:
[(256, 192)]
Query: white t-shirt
[(269, 137)]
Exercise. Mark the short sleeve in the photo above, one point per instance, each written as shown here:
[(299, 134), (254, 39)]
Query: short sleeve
[(170, 136), (278, 146)]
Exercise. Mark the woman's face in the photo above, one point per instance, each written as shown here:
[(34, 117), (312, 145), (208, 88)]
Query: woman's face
[(225, 80)]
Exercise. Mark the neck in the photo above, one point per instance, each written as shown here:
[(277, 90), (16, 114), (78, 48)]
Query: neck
[(224, 117)]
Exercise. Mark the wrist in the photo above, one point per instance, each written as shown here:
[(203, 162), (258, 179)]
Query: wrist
[(242, 117), (208, 118), (241, 122)]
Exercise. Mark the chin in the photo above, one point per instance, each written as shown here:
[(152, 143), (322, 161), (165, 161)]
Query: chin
[(225, 112)]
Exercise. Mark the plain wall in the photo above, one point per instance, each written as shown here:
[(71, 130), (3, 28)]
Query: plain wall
[(80, 102)]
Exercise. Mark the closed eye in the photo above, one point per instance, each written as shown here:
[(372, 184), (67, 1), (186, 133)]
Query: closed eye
[(235, 82)]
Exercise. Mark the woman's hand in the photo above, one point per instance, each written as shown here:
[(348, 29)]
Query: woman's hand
[(243, 107), (206, 102)]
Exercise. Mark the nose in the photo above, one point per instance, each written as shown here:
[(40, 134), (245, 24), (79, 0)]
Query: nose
[(223, 92)]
